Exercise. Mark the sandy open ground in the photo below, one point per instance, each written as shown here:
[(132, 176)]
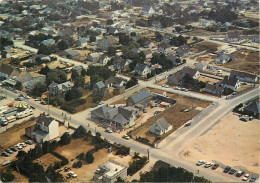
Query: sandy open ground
[(231, 142)]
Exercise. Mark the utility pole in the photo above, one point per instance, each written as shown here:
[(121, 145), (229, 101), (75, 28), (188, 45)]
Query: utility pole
[(148, 154), (48, 102)]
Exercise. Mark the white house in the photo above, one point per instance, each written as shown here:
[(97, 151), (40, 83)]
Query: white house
[(201, 66), (232, 83), (148, 10), (142, 69), (160, 127), (46, 129)]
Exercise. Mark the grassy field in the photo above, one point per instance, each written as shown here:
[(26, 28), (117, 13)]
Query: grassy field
[(47, 160), (209, 46)]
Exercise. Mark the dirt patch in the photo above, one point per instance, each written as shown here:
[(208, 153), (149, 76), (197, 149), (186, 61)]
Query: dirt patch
[(172, 115), (208, 46), (245, 60), (14, 135), (231, 142), (47, 160)]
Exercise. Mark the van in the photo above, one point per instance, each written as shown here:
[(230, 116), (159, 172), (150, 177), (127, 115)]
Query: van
[(3, 121)]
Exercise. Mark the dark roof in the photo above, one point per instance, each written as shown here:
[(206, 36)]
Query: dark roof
[(140, 67), (140, 96), (100, 85), (102, 111), (162, 123), (6, 69), (253, 107), (46, 120), (147, 52), (164, 45), (189, 71), (230, 81), (242, 74), (112, 30), (114, 80), (216, 88), (172, 57), (233, 35)]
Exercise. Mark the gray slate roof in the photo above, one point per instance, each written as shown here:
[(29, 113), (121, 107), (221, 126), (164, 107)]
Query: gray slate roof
[(140, 96), (100, 85), (254, 107), (230, 81), (162, 124), (46, 120)]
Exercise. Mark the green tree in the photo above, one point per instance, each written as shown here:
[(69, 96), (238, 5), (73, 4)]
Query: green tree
[(79, 132), (18, 86), (133, 81), (44, 70), (56, 75), (62, 45), (110, 22), (83, 72), (65, 139), (46, 147), (158, 36), (111, 51), (92, 38), (74, 74), (89, 157), (38, 89)]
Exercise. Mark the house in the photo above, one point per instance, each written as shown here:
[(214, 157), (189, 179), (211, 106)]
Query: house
[(243, 76), (160, 127), (148, 53), (39, 58), (46, 129), (194, 73), (182, 50), (111, 171), (201, 66), (94, 57), (48, 42), (100, 89), (103, 59), (82, 42), (148, 10), (112, 31), (59, 89), (120, 117), (142, 69), (8, 72), (143, 98), (148, 44), (232, 37), (107, 42), (156, 24), (29, 79), (164, 47), (71, 54), (202, 3), (175, 79), (121, 64), (175, 60), (253, 109), (119, 90), (114, 81), (214, 89), (230, 82), (222, 59), (136, 50)]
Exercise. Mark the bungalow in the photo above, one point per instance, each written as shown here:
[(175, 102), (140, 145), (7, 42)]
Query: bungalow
[(194, 73), (103, 59), (29, 79), (253, 109), (82, 42), (175, 60), (148, 10), (160, 127), (175, 79), (163, 47), (201, 66), (107, 42), (232, 37), (222, 59), (214, 89), (143, 98), (230, 82), (100, 89), (142, 69), (94, 57), (114, 82), (121, 64), (243, 76), (182, 50), (71, 54), (8, 72), (46, 129)]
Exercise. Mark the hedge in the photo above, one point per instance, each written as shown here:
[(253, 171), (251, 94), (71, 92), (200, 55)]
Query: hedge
[(64, 160)]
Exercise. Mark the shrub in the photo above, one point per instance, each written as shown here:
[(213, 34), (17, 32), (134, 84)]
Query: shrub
[(123, 150), (7, 177), (80, 156), (77, 164), (136, 165), (68, 108), (64, 160), (89, 157)]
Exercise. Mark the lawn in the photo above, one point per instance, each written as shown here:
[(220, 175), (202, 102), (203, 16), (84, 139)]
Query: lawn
[(208, 46), (47, 160)]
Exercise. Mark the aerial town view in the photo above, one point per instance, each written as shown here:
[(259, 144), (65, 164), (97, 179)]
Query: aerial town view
[(129, 91)]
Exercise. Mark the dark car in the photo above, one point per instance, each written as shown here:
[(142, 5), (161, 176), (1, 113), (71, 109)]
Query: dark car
[(44, 102), (32, 118), (157, 112), (29, 142), (253, 179), (14, 149), (240, 173), (9, 151), (232, 171), (215, 166), (227, 169), (5, 154)]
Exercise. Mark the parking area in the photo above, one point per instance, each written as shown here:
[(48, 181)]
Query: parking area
[(231, 142)]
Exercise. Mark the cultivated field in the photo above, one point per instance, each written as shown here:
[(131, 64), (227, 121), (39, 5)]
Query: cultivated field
[(231, 142)]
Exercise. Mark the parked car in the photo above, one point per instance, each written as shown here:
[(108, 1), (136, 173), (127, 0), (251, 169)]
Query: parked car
[(188, 124), (32, 118), (5, 154), (176, 88), (246, 177), (226, 170), (29, 142), (6, 163), (207, 165), (108, 130), (243, 119), (126, 137), (145, 110), (16, 91), (23, 144), (97, 171), (201, 162), (14, 149), (232, 171), (184, 89), (240, 173), (251, 118), (157, 112), (27, 97), (9, 151), (215, 166), (19, 99), (253, 179), (44, 102), (38, 99)]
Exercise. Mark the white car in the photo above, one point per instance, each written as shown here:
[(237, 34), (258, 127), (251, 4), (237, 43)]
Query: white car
[(246, 177), (72, 174), (27, 97), (176, 88), (201, 162), (207, 165)]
